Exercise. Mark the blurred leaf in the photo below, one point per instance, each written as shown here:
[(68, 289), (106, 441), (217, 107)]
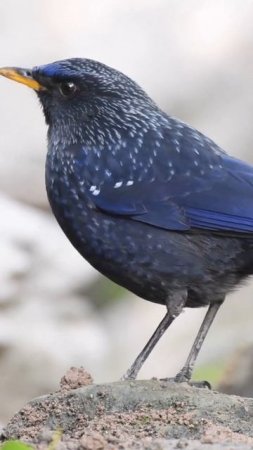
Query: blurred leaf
[(209, 372), (56, 439), (15, 445)]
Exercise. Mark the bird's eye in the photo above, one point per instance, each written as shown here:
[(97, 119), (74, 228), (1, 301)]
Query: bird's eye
[(67, 88)]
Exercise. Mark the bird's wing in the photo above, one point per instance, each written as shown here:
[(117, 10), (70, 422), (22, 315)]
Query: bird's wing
[(191, 184), (228, 203)]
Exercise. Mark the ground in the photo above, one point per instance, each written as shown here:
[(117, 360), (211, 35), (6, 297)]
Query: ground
[(152, 414)]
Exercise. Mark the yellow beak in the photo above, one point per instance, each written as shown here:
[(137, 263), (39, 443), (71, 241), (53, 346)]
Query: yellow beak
[(23, 76)]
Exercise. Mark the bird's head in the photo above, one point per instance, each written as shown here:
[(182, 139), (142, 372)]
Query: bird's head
[(84, 100)]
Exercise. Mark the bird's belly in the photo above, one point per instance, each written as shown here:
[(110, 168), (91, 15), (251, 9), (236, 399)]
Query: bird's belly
[(149, 261), (141, 258)]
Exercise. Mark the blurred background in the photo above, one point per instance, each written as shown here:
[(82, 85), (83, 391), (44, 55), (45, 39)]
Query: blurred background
[(195, 58)]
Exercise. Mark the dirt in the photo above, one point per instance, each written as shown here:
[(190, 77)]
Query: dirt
[(152, 414), (74, 378)]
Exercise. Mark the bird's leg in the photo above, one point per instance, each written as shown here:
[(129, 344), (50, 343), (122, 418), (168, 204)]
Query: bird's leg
[(186, 372), (175, 304), (143, 355)]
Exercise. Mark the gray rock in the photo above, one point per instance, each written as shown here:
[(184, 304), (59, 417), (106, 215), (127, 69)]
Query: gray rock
[(151, 414)]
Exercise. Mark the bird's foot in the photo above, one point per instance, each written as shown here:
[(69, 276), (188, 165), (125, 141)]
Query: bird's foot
[(198, 384), (201, 384), (127, 376), (184, 376)]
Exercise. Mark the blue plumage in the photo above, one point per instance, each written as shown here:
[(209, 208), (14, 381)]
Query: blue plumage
[(205, 190), (159, 171), (149, 201)]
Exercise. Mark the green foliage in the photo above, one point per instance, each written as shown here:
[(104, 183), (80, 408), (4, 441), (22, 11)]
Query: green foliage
[(18, 445), (56, 439), (212, 372), (15, 445)]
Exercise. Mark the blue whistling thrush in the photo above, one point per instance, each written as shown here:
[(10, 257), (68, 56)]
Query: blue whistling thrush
[(149, 201)]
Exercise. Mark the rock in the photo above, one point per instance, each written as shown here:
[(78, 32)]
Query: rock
[(75, 378), (154, 414), (94, 441)]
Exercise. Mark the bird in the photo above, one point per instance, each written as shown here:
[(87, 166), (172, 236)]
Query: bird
[(147, 200)]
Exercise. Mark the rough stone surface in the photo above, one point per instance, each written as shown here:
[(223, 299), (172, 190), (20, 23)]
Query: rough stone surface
[(75, 378), (153, 414)]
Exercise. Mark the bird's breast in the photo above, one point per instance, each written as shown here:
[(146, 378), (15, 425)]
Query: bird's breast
[(68, 196), (99, 237)]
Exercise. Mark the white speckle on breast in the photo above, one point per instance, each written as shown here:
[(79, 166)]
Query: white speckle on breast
[(140, 141), (129, 183)]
